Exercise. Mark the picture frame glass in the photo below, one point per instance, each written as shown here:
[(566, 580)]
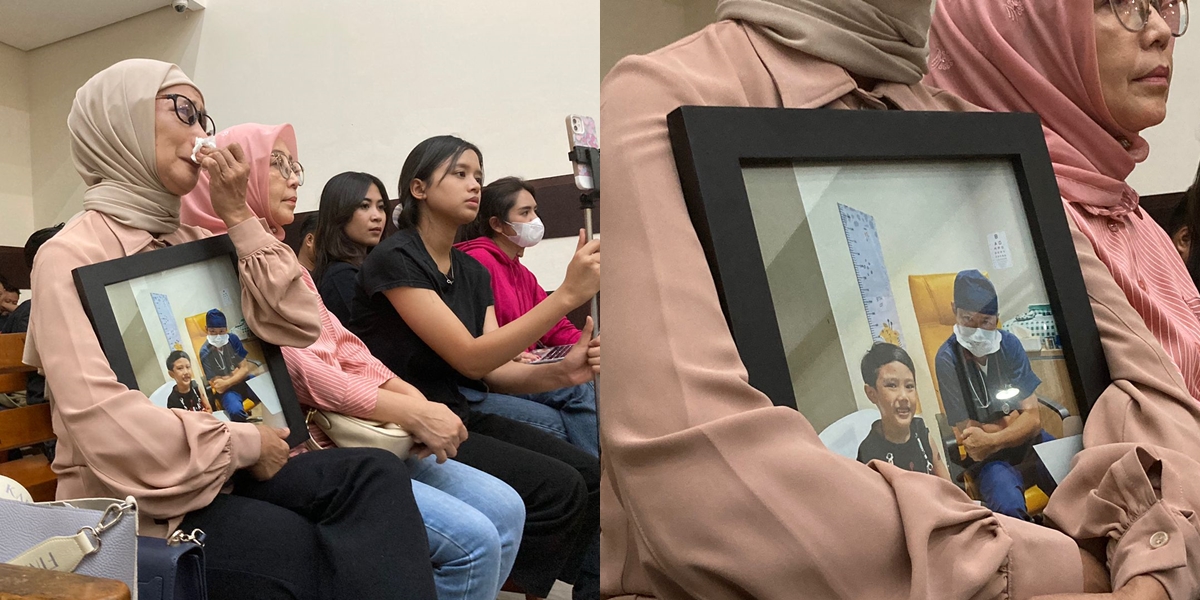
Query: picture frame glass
[(166, 315), (863, 252)]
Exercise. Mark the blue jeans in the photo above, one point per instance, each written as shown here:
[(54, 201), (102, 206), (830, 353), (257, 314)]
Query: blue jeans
[(566, 413), (1001, 487), (474, 523)]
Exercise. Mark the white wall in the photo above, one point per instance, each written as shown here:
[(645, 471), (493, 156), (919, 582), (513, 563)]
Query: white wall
[(363, 82), (1175, 144), (642, 26), (16, 184)]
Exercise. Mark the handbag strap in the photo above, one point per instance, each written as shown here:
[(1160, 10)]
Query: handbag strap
[(65, 552)]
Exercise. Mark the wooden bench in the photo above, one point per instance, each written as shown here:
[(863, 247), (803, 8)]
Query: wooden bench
[(27, 583), (23, 427)]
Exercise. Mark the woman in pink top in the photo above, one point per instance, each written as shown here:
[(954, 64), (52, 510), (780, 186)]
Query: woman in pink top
[(507, 224), (1096, 88), (276, 528), (473, 520)]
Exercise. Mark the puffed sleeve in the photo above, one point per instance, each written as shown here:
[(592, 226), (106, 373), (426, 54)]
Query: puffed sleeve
[(277, 305)]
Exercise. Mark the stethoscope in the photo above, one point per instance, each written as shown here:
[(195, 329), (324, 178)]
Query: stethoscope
[(982, 398), (920, 444)]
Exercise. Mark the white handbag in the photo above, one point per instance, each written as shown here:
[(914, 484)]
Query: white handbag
[(352, 432), (95, 536)]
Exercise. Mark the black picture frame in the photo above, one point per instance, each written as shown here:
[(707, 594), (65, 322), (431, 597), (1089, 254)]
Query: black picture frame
[(712, 145), (93, 280)]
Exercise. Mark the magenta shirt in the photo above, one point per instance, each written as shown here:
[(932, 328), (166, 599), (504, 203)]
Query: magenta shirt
[(515, 289)]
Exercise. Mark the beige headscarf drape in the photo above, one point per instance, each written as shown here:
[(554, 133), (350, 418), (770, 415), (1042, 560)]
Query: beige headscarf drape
[(883, 39), (112, 143)]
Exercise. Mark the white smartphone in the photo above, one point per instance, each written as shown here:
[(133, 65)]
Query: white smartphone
[(581, 131)]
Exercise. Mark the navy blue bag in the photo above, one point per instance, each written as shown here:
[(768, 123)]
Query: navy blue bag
[(171, 569)]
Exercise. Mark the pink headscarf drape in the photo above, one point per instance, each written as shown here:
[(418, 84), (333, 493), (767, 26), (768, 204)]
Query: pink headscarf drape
[(1040, 56), (256, 141)]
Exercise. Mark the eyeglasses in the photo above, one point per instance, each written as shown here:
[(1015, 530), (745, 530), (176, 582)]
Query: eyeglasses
[(187, 112), (287, 169), (1134, 14)]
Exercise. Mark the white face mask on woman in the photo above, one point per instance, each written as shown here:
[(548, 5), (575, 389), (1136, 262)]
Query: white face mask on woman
[(218, 340), (528, 234), (980, 342)]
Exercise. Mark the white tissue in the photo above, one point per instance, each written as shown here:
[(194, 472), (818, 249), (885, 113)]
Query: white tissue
[(200, 143)]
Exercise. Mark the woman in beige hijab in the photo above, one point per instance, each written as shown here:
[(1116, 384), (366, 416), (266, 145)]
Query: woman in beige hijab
[(275, 528), (713, 492)]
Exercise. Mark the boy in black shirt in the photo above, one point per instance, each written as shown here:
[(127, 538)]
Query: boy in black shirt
[(187, 393), (899, 436)]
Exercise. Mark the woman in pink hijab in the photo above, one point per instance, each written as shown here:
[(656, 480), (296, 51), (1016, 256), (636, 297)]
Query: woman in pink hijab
[(1098, 75), (265, 146)]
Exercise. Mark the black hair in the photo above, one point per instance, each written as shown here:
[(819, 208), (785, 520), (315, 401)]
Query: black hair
[(308, 226), (174, 357), (35, 241), (340, 199), (497, 200), (879, 355), (421, 164), (8, 286), (1189, 215)]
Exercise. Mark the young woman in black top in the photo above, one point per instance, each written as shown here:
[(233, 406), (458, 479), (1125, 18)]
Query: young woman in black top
[(352, 219), (425, 310)]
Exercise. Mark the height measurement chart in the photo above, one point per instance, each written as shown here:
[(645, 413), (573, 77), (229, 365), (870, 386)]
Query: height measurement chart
[(166, 318), (874, 286)]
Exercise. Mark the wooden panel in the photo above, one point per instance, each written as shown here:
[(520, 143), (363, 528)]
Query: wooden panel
[(559, 206), (12, 347), (12, 382), (25, 426), (13, 267), (34, 474), (27, 583)]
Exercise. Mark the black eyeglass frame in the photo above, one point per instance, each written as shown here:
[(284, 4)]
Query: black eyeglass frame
[(197, 114)]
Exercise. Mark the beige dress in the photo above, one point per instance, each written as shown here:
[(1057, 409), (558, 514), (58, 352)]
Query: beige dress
[(712, 492), (112, 442)]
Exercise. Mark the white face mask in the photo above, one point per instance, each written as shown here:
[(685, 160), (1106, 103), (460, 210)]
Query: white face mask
[(528, 234), (980, 342), (218, 340)]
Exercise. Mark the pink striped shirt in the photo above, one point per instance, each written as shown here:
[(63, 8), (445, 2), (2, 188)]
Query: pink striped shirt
[(1146, 265), (336, 373)]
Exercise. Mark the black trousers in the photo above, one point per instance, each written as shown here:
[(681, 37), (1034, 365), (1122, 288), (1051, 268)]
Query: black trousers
[(560, 485), (334, 524)]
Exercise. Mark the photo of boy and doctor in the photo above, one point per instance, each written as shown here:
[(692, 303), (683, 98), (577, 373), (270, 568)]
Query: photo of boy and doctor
[(223, 358), (987, 389)]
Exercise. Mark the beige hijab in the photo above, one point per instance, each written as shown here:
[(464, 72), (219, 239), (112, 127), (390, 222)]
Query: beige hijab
[(882, 39), (112, 142)]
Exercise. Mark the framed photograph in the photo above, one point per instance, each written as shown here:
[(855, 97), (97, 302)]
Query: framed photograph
[(170, 323), (906, 280)]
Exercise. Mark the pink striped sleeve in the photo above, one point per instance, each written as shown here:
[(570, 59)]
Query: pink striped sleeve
[(335, 372)]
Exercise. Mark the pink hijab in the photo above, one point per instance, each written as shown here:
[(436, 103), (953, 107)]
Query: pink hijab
[(1040, 56), (257, 142)]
